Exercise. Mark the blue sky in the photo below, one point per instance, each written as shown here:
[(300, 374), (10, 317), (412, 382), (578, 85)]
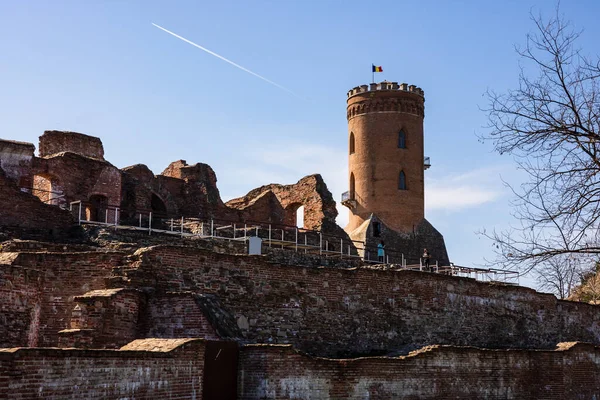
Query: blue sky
[(101, 68)]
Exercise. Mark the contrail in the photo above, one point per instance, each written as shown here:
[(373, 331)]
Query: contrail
[(224, 59)]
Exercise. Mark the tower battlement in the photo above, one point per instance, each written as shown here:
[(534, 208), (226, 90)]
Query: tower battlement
[(385, 85)]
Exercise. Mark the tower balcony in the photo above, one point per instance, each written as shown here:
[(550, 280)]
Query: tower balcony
[(426, 163), (348, 200)]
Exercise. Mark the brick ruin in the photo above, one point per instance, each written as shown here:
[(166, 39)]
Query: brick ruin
[(159, 316)]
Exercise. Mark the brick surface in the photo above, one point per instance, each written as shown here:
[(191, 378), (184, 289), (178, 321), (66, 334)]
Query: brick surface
[(278, 372)]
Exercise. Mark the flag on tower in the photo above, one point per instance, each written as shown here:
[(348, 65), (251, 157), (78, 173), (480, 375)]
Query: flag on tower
[(377, 69)]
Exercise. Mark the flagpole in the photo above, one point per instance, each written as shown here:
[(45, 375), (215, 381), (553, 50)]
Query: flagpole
[(372, 73)]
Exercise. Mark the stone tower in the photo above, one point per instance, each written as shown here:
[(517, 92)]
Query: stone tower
[(386, 159)]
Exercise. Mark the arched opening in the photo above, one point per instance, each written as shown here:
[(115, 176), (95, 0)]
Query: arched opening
[(96, 208), (292, 215), (351, 144), (158, 206), (300, 217), (401, 139), (402, 181), (46, 188), (351, 186)]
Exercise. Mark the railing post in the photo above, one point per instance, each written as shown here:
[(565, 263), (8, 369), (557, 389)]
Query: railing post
[(80, 207), (269, 235), (387, 258), (320, 243), (234, 231), (182, 226), (212, 227), (106, 216), (116, 216), (342, 246), (245, 227), (171, 224), (140, 220), (150, 223)]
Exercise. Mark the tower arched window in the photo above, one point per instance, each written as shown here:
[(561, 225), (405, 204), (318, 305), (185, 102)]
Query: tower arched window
[(351, 186), (401, 139), (402, 181), (351, 144)]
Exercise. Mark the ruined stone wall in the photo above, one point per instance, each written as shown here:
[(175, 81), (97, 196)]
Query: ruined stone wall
[(151, 369), (15, 160), (177, 315), (54, 142), (111, 314), (74, 177), (310, 192), (278, 372), (24, 215), (38, 291), (348, 312)]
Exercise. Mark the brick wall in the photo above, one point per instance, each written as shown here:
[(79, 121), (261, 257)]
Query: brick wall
[(15, 160), (53, 142), (111, 313), (278, 372), (26, 216), (349, 312), (38, 291), (177, 315), (148, 369)]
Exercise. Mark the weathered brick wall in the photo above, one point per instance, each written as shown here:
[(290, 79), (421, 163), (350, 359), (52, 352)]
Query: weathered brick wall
[(54, 142), (113, 315), (177, 315), (278, 372), (15, 160), (347, 312), (151, 369), (38, 292), (24, 215), (20, 303), (79, 177), (311, 192)]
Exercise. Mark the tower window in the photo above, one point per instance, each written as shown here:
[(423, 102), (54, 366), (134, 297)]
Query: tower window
[(402, 181), (401, 139), (351, 143)]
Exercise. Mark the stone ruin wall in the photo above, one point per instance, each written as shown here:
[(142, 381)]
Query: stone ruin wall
[(341, 312), (179, 369), (438, 372), (324, 311), (71, 167)]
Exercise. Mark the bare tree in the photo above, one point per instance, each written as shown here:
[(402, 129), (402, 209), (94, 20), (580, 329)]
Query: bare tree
[(550, 124), (560, 275)]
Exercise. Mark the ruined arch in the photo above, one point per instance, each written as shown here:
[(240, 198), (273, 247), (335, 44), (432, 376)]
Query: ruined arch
[(46, 187), (158, 206)]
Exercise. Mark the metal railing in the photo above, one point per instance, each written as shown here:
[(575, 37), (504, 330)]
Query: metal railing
[(274, 236)]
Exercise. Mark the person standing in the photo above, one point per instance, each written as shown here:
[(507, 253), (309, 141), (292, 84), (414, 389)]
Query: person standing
[(426, 258), (381, 251)]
